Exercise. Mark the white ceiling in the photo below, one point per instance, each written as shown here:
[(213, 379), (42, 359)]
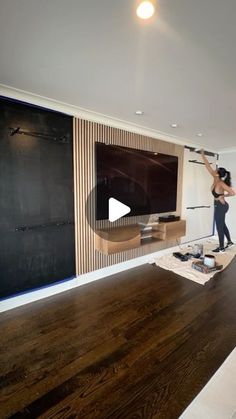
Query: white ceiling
[(97, 54)]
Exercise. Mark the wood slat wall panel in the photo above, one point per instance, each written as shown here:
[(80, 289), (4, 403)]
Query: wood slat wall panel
[(86, 133)]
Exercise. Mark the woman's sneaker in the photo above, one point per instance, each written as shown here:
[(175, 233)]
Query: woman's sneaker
[(229, 244), (219, 250)]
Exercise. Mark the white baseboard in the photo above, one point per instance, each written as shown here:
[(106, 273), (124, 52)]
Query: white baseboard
[(45, 292), (30, 297)]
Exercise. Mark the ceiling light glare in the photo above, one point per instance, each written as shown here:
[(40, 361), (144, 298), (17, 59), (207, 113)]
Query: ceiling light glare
[(199, 134), (139, 113), (174, 125), (146, 9)]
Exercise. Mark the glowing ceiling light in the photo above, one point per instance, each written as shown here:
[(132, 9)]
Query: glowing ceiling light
[(146, 9)]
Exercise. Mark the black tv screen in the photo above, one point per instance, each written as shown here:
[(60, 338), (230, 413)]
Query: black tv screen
[(143, 180)]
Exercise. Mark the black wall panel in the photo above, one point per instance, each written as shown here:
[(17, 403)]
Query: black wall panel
[(37, 243)]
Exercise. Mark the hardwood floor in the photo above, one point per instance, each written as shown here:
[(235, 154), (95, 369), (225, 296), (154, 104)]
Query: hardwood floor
[(139, 344)]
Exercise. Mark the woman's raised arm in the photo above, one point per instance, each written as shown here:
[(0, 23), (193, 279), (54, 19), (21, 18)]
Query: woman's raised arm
[(207, 164)]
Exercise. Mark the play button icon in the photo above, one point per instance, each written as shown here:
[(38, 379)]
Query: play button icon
[(117, 210), (113, 204)]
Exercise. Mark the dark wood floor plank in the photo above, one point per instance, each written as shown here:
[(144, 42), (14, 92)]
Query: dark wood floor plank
[(140, 344), (178, 371), (148, 366)]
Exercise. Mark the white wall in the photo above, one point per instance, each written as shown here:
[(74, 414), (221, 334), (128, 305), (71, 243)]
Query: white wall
[(228, 160), (197, 192)]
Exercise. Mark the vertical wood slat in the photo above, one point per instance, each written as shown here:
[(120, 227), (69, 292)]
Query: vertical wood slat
[(75, 161), (86, 133)]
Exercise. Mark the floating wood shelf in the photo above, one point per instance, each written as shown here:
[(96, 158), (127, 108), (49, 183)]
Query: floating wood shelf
[(171, 230), (120, 239)]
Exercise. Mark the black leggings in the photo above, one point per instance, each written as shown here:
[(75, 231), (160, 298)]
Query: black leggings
[(222, 230)]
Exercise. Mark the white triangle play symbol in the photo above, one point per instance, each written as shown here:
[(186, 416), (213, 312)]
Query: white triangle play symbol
[(117, 210)]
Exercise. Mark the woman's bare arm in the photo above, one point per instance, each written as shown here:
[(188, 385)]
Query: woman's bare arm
[(207, 164), (231, 191)]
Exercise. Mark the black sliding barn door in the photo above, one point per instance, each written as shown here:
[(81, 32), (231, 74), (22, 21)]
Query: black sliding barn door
[(36, 197)]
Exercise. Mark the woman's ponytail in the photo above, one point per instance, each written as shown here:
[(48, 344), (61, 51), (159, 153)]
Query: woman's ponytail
[(228, 179), (224, 175)]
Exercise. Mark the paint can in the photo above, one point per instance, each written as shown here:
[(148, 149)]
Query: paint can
[(209, 261)]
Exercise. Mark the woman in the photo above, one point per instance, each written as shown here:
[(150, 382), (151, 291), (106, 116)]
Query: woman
[(221, 188)]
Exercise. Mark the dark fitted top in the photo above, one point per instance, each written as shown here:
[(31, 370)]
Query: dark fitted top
[(215, 194)]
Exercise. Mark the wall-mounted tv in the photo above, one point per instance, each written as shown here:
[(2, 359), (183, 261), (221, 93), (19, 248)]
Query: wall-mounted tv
[(143, 180)]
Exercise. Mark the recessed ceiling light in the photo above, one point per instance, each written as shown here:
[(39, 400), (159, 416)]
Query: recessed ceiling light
[(199, 134), (146, 9), (139, 113), (174, 125)]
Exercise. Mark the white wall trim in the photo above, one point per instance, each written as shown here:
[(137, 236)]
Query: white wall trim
[(32, 296), (49, 291), (78, 112)]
